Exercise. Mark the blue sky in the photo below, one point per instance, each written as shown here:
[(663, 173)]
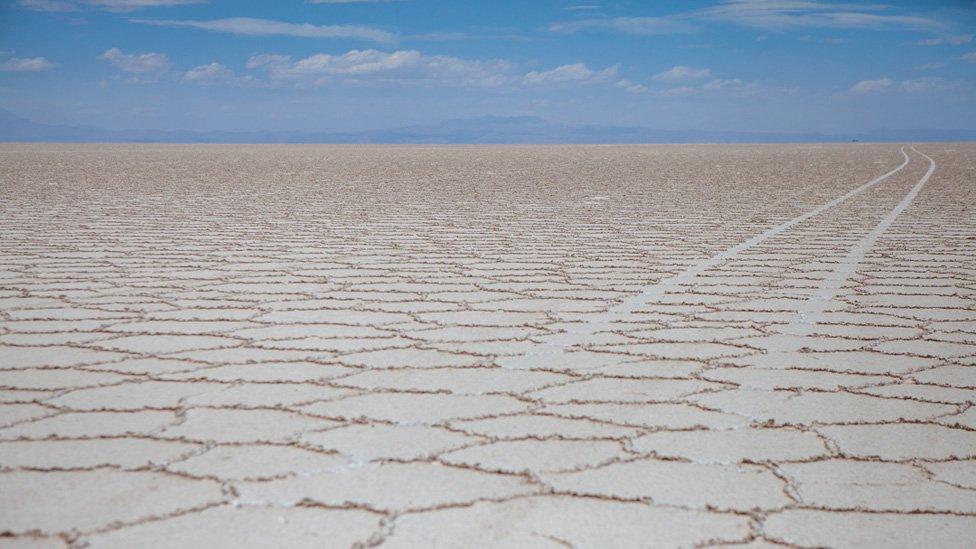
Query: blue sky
[(747, 65)]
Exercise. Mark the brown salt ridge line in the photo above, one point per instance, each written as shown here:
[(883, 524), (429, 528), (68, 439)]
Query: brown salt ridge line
[(575, 337)]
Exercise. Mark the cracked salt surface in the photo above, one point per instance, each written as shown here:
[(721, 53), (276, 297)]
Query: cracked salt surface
[(513, 346)]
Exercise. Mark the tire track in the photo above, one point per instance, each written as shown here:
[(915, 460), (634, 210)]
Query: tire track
[(809, 313), (560, 343)]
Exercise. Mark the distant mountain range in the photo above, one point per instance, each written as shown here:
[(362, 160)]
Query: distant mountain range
[(483, 130)]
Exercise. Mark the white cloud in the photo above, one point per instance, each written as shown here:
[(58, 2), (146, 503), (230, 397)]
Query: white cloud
[(25, 64), (733, 87), (48, 5), (873, 86), (577, 73), (413, 68), (271, 62), (761, 14), (360, 62), (372, 66), (681, 73), (265, 27), (109, 5), (140, 64), (925, 84), (956, 40), (723, 84), (626, 25), (929, 66), (214, 73), (780, 14), (630, 87), (969, 57)]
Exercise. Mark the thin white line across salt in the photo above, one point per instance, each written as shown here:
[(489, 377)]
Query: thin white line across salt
[(653, 291), (810, 312)]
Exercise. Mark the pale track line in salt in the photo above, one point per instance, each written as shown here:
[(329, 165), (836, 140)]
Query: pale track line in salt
[(658, 289), (812, 309)]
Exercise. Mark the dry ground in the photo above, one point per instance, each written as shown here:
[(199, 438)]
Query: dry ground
[(461, 346)]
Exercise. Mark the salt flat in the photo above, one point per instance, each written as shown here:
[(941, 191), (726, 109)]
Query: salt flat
[(509, 346)]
